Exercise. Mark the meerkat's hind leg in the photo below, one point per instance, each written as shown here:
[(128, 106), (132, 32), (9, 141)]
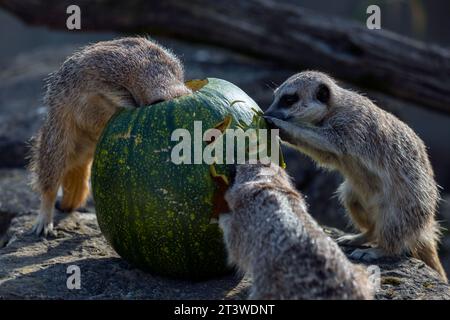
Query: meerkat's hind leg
[(391, 236), (358, 215), (47, 164), (44, 222)]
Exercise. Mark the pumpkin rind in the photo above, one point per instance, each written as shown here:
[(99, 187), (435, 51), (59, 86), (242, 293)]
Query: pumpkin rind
[(154, 213)]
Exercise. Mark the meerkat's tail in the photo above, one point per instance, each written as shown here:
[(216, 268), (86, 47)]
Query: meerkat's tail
[(75, 187), (427, 252)]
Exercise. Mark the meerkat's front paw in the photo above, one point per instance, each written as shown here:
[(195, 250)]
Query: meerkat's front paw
[(367, 255), (43, 227), (352, 240)]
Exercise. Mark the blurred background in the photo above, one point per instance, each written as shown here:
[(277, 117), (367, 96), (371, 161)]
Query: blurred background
[(34, 41)]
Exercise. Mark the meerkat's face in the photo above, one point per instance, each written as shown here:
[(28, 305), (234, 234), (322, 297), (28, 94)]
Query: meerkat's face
[(303, 98)]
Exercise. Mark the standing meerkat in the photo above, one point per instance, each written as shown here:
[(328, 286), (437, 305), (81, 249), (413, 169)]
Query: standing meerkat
[(270, 235), (81, 97), (389, 189)]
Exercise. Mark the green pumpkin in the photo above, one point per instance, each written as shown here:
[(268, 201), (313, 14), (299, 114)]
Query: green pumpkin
[(154, 213)]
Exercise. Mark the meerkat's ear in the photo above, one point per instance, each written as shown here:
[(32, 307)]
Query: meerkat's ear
[(323, 93)]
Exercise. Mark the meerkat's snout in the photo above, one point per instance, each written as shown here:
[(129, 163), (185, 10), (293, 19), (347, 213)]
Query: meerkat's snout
[(281, 105)]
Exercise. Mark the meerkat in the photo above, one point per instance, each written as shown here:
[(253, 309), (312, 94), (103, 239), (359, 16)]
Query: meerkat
[(90, 86), (270, 235), (389, 189)]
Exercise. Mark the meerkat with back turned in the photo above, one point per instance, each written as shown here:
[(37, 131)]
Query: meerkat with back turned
[(270, 235), (389, 189), (81, 97)]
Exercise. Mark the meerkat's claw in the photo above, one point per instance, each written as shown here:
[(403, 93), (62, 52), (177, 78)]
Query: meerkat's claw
[(42, 227), (352, 240), (367, 255)]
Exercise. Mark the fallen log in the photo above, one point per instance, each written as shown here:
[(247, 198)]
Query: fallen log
[(285, 34)]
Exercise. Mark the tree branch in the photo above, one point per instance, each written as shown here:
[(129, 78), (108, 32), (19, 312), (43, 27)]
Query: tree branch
[(286, 34)]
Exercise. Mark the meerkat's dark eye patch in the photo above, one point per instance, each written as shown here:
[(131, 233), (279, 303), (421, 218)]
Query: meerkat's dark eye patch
[(323, 93), (288, 100)]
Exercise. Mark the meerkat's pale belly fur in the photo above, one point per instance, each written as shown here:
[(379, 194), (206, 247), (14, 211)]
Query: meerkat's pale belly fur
[(270, 235)]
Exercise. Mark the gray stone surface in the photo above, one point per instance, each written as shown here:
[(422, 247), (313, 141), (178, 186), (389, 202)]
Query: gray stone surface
[(36, 269), (32, 268)]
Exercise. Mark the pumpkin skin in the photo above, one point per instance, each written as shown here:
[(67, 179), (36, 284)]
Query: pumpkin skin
[(154, 213)]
